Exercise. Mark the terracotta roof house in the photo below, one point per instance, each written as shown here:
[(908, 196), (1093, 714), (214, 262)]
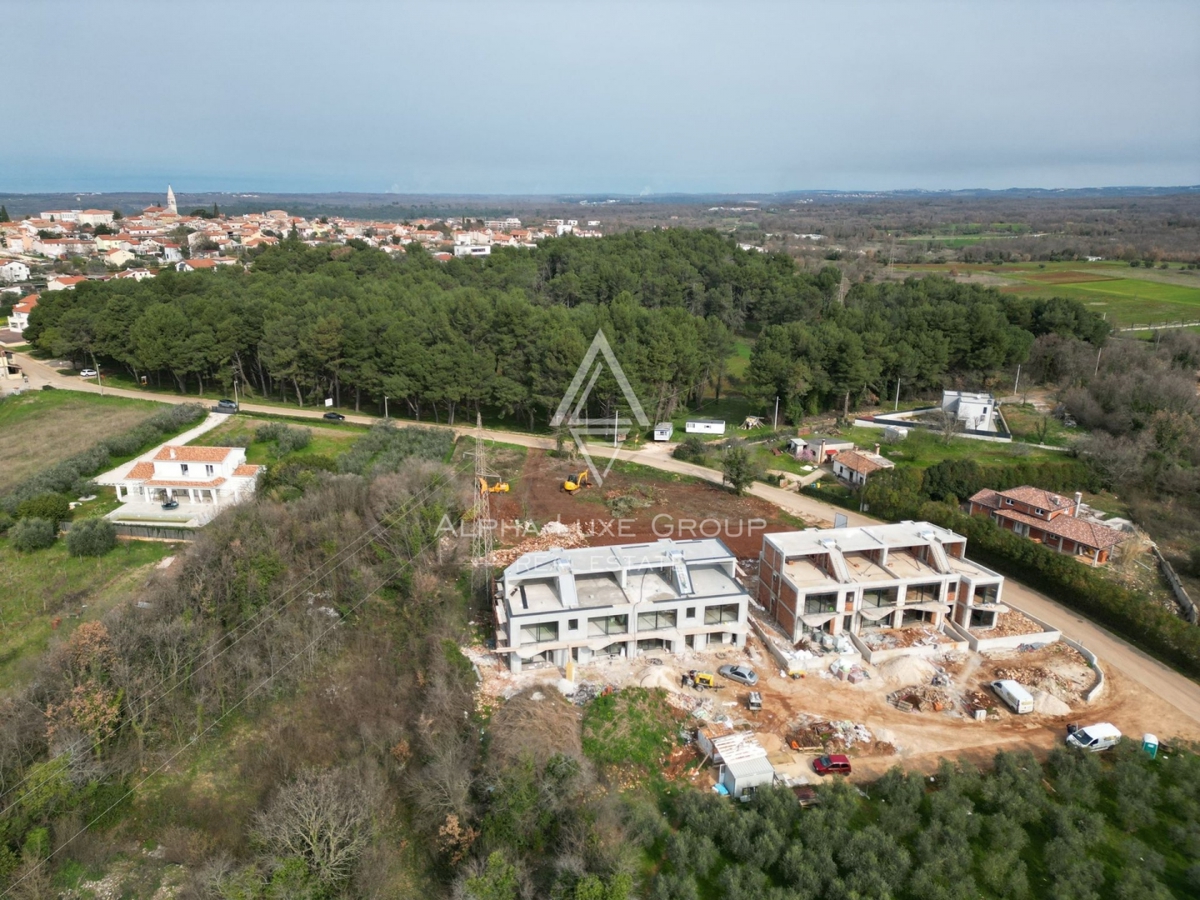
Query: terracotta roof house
[(854, 466), (216, 476), (1048, 518)]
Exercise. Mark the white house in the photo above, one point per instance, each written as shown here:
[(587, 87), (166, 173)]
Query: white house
[(13, 270), (61, 215), (854, 466), (117, 258), (95, 217), (19, 320), (818, 448), (65, 282), (977, 411), (472, 250), (200, 475), (591, 603)]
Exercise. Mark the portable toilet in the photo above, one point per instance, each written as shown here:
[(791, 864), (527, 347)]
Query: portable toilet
[(1150, 745)]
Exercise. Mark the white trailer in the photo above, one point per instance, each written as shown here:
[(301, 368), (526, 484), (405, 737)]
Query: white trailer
[(704, 426), (663, 431)]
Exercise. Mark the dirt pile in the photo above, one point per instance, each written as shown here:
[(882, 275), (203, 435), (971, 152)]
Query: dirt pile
[(1046, 704), (831, 737), (908, 670), (922, 698), (1012, 623)]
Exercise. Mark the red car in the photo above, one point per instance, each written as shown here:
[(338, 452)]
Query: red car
[(834, 764)]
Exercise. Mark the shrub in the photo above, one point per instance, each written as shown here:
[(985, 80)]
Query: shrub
[(54, 507), (91, 537), (6, 522), (287, 440), (33, 534), (691, 449)]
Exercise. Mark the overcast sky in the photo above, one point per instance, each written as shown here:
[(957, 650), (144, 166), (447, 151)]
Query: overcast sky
[(577, 97)]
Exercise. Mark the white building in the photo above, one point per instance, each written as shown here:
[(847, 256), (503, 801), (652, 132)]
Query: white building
[(13, 270), (61, 215), (855, 466), (873, 577), (704, 426), (95, 217), (18, 321), (594, 602), (461, 250), (977, 411), (196, 475)]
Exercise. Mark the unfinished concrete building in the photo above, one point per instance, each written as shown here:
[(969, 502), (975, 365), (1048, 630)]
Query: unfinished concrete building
[(579, 605), (874, 577)]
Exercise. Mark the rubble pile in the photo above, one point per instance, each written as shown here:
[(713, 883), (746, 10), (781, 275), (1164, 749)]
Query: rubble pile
[(848, 671), (896, 638), (1013, 623), (551, 536), (813, 734), (921, 698)]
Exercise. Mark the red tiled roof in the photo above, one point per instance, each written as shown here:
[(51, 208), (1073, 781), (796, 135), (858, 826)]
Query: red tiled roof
[(69, 279), (862, 463), (246, 471), (193, 454), (200, 263), (1081, 531), (141, 471), (216, 482), (1038, 498)]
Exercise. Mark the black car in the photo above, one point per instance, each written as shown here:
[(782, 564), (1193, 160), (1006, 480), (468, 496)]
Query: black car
[(170, 503), (226, 406), (335, 417)]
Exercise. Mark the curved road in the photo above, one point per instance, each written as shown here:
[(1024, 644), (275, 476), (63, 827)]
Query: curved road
[(1167, 684)]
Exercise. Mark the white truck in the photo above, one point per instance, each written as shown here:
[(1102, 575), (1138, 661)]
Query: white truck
[(1018, 699), (1094, 737)]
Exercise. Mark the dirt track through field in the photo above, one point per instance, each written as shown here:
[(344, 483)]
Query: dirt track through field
[(1144, 691)]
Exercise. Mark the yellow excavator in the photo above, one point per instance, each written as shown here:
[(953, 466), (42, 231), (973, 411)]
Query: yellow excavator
[(496, 487), (575, 482)]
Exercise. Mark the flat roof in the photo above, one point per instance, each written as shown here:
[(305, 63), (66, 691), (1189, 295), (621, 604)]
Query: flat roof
[(856, 539), (747, 768), (616, 558)]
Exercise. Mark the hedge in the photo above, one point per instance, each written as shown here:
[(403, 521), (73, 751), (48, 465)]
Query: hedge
[(70, 477)]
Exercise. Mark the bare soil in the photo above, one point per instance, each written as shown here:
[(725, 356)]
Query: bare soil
[(652, 505)]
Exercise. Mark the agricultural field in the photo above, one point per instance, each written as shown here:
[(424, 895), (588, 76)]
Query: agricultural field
[(42, 428), (48, 593)]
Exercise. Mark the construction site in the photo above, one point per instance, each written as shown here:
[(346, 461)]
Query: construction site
[(882, 696)]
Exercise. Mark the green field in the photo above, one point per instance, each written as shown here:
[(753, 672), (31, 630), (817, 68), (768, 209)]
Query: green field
[(49, 587), (41, 428), (238, 431)]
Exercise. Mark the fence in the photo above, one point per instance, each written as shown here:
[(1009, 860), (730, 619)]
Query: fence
[(1177, 588), (155, 532)]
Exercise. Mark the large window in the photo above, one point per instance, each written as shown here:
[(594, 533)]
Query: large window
[(878, 597), (716, 615), (922, 593), (656, 621), (820, 603), (986, 593), (608, 625), (542, 631)]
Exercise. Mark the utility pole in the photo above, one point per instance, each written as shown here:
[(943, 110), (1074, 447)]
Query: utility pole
[(385, 411), (482, 538), (1098, 352), (1017, 383), (775, 421), (897, 406)]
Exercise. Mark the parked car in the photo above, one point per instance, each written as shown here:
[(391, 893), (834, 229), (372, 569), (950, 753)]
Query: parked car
[(226, 406), (1094, 737), (743, 674), (335, 417), (833, 764), (88, 373), (170, 503)]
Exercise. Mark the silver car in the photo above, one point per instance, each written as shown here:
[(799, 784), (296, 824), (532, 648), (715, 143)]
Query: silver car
[(743, 674)]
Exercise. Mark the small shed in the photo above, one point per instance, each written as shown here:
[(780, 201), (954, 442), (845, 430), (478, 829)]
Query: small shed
[(704, 426), (894, 433), (663, 431), (743, 776)]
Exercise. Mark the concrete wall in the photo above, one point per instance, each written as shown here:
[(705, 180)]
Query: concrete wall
[(1181, 594), (981, 643), (878, 657), (788, 665), (1097, 687)]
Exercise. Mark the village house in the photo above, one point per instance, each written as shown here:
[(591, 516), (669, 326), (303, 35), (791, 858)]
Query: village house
[(18, 320), (873, 577), (854, 466), (590, 603), (65, 282), (1048, 518), (13, 270), (95, 217), (976, 411), (818, 448), (196, 475)]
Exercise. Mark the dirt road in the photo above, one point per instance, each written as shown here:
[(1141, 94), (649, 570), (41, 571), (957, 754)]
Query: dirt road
[(1167, 685)]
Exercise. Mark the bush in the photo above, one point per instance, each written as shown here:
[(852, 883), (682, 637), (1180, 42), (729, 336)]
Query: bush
[(6, 522), (33, 534), (91, 537), (691, 450), (287, 440), (54, 507)]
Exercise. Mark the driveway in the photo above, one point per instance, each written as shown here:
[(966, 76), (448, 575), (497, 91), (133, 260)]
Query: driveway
[(1182, 694)]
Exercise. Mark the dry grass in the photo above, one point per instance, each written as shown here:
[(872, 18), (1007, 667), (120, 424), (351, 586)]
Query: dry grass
[(45, 427)]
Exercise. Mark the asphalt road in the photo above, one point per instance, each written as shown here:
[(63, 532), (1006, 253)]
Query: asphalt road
[(1180, 692)]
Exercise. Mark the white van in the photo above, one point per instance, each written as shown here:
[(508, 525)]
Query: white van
[(1018, 699), (1094, 737)]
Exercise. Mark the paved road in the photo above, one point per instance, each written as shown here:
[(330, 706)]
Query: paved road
[(1182, 693)]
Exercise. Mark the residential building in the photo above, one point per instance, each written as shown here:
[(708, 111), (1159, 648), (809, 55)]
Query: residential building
[(65, 282), (472, 250), (977, 411), (1048, 518), (854, 466), (18, 320), (872, 577), (595, 602), (704, 426), (818, 448), (61, 215), (195, 265), (13, 270), (197, 475), (95, 217), (117, 258)]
